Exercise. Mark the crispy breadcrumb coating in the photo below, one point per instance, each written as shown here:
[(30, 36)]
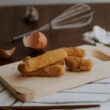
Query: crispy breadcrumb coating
[(75, 51), (77, 64), (54, 70), (60, 62), (48, 58)]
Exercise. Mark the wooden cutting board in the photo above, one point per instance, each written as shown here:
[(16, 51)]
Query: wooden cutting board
[(28, 88)]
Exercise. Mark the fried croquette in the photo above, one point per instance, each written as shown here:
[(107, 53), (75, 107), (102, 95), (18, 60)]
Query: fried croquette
[(54, 70), (75, 51), (48, 58), (77, 64), (60, 62)]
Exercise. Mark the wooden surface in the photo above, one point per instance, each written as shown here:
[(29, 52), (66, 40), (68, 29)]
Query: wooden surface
[(97, 91), (28, 88), (11, 24)]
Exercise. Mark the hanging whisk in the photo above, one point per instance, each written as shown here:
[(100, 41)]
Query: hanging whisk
[(79, 15)]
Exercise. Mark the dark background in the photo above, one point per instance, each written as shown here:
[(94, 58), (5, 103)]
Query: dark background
[(12, 24)]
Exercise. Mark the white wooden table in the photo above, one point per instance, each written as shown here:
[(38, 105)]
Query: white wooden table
[(98, 91)]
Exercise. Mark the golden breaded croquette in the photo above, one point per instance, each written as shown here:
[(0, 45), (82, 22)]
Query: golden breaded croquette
[(48, 58), (75, 51), (54, 70), (60, 62), (77, 64)]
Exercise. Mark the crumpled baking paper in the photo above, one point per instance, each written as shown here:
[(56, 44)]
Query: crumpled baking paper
[(97, 34)]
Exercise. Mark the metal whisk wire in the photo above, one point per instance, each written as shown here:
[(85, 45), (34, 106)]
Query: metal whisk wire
[(78, 15)]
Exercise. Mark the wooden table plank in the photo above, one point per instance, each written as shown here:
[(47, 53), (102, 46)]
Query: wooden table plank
[(64, 98), (1, 87), (59, 97), (18, 103), (103, 81), (70, 97), (6, 98), (92, 88)]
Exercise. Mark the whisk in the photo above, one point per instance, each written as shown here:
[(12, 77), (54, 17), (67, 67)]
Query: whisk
[(78, 15)]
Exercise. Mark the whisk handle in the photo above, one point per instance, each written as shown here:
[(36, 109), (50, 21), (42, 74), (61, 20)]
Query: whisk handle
[(42, 28)]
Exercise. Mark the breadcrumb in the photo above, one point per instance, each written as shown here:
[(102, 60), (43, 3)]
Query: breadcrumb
[(77, 64), (48, 58), (54, 70), (75, 51)]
